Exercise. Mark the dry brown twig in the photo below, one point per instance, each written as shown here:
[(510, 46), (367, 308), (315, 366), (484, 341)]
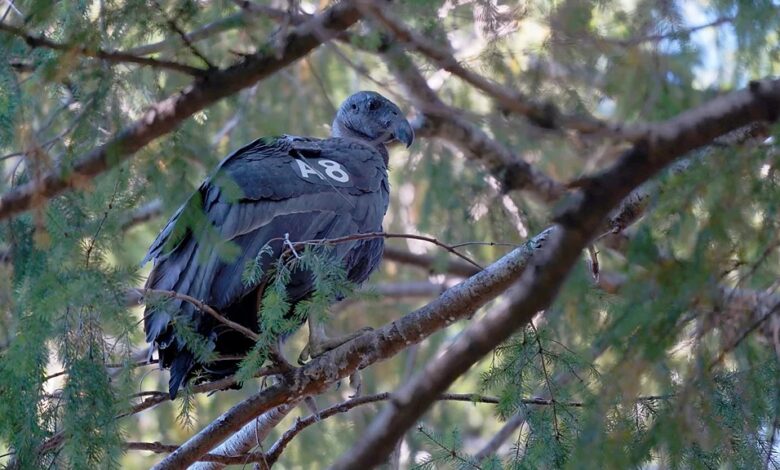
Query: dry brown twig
[(369, 235), (202, 307)]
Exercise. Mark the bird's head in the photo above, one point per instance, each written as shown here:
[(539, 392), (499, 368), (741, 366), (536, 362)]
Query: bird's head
[(369, 116)]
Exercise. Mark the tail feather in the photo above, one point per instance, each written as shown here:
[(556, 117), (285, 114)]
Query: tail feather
[(180, 371)]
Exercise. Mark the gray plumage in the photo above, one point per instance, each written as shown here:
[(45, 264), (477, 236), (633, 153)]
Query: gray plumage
[(304, 187)]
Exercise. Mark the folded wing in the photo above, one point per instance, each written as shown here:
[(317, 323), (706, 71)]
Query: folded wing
[(302, 189)]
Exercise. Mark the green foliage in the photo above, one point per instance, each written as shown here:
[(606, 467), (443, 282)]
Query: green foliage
[(277, 318), (444, 450), (186, 404), (253, 271), (88, 414), (662, 372), (201, 347)]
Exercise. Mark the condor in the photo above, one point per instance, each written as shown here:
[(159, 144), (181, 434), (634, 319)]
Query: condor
[(266, 195)]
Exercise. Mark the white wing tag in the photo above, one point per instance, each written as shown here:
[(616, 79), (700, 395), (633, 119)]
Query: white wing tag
[(321, 170)]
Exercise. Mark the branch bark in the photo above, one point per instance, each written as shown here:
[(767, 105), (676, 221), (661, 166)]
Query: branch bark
[(251, 435), (165, 116), (548, 267)]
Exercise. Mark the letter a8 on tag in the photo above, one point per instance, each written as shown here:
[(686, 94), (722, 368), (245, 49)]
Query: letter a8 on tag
[(321, 171)]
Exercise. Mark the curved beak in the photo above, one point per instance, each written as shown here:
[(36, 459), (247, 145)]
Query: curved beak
[(403, 131)]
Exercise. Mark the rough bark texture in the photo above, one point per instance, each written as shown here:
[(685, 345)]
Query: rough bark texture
[(251, 435)]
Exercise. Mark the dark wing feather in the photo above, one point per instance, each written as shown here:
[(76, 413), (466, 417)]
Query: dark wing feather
[(256, 196)]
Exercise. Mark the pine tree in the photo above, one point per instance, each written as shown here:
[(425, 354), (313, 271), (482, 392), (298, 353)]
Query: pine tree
[(618, 157)]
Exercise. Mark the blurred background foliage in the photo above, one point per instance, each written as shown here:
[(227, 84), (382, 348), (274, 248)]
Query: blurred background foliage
[(706, 373)]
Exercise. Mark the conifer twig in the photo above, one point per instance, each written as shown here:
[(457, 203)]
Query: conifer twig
[(547, 381), (663, 36), (451, 453), (96, 53), (369, 235), (183, 36)]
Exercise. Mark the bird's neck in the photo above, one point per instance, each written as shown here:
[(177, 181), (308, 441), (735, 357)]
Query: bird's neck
[(338, 129)]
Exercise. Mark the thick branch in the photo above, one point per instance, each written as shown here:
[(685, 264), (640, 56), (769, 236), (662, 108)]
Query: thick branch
[(251, 435), (576, 226), (166, 115)]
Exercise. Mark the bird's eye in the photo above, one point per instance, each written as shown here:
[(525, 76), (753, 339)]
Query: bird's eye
[(373, 105), (354, 106)]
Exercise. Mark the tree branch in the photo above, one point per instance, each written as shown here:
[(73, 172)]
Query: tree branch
[(242, 457), (108, 56), (275, 451), (251, 435), (160, 448), (166, 115), (542, 114), (429, 262), (663, 36), (143, 214), (456, 303), (501, 436), (203, 308), (211, 29), (448, 123), (575, 227)]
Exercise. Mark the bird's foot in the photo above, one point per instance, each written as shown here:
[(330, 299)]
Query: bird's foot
[(356, 382), (312, 406), (278, 360), (320, 344), (279, 366)]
